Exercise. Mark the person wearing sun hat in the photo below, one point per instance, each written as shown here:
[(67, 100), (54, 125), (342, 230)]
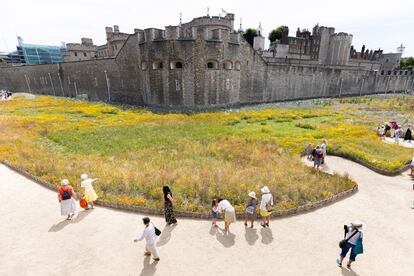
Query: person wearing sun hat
[(66, 197), (90, 194), (250, 212), (353, 237), (266, 206)]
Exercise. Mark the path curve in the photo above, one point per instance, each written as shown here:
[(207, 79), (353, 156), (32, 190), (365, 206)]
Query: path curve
[(35, 240)]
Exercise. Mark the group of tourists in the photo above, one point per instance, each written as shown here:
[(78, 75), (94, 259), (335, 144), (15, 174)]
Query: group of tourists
[(396, 131), (5, 95), (317, 154), (224, 206), (67, 196)]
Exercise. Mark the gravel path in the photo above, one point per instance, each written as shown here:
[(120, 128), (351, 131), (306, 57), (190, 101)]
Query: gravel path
[(35, 240)]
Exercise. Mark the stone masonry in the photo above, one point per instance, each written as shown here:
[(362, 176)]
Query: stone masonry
[(205, 64)]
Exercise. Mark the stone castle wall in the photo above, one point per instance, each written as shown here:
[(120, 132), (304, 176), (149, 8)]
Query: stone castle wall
[(239, 74)]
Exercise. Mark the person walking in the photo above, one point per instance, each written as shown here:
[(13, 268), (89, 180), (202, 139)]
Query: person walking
[(168, 206), (352, 241), (66, 197), (317, 158), (90, 194), (150, 236), (229, 213), (408, 134), (250, 212), (308, 151), (323, 146), (266, 206)]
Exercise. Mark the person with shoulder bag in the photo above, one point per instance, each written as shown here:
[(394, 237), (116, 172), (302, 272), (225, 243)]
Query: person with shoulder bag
[(352, 241), (66, 197), (150, 235)]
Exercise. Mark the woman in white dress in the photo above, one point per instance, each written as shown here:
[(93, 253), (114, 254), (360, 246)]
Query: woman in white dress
[(67, 196), (90, 194)]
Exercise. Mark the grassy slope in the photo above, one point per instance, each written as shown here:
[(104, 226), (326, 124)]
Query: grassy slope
[(201, 156)]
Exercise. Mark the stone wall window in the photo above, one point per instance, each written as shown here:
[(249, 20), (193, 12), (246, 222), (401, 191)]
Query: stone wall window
[(177, 64), (85, 55), (76, 54), (237, 65), (212, 64), (144, 65), (406, 73), (382, 72), (389, 72), (401, 72), (157, 65), (395, 72), (227, 65)]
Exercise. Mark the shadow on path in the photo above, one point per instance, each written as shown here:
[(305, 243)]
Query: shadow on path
[(149, 268), (81, 215), (59, 226), (267, 235), (226, 239), (251, 235), (348, 272), (165, 235)]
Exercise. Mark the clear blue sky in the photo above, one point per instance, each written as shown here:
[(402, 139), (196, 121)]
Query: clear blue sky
[(373, 23)]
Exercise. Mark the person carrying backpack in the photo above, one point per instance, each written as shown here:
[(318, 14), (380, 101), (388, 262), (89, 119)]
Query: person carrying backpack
[(317, 161), (352, 241), (150, 235), (66, 197)]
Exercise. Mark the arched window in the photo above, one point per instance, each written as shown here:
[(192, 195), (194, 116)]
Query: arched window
[(237, 65), (212, 64), (382, 72), (157, 65), (144, 65), (177, 64), (227, 65)]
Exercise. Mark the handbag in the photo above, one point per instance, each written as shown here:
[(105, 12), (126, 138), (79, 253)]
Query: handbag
[(157, 231), (344, 241), (359, 248), (83, 203)]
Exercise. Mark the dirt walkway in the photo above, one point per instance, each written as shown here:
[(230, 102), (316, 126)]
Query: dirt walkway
[(35, 240)]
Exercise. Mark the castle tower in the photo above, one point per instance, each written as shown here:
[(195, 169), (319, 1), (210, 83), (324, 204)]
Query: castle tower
[(259, 41), (400, 49)]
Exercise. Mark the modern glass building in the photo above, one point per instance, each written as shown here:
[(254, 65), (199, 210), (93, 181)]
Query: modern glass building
[(38, 54)]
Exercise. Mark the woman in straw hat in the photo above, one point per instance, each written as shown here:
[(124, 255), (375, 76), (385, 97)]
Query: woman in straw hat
[(67, 196), (250, 211), (90, 194), (266, 206), (353, 236)]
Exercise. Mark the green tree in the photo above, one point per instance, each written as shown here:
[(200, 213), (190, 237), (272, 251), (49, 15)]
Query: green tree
[(407, 63), (276, 33), (249, 35), (1, 61)]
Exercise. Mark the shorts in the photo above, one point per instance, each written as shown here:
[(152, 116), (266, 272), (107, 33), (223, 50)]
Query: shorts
[(213, 214), (346, 249)]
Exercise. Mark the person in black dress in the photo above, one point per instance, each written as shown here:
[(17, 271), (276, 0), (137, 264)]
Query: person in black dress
[(168, 206)]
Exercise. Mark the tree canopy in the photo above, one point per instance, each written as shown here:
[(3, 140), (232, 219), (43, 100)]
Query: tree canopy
[(407, 63), (276, 33), (249, 35)]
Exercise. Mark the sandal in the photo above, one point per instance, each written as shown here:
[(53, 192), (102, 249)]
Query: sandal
[(339, 263)]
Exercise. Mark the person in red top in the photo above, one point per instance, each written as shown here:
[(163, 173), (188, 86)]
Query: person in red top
[(67, 196)]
